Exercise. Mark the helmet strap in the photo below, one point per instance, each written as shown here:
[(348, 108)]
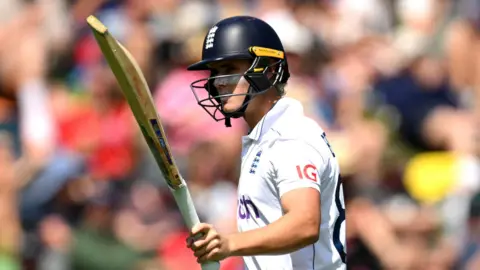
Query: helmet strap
[(228, 123), (237, 114)]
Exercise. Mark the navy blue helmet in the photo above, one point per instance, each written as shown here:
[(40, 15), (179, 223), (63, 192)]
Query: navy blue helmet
[(241, 37)]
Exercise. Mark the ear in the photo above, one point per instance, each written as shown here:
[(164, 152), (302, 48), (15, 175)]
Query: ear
[(271, 65)]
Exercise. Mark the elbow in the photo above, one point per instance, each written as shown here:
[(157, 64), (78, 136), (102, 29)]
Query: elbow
[(312, 236), (311, 232)]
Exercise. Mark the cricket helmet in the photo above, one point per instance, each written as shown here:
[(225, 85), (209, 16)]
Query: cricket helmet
[(240, 37)]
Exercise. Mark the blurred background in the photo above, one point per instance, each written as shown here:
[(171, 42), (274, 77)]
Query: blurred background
[(395, 84)]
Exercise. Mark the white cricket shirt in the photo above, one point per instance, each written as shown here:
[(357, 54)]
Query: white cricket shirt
[(286, 151)]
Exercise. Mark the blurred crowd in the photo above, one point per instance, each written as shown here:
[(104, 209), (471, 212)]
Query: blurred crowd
[(395, 84)]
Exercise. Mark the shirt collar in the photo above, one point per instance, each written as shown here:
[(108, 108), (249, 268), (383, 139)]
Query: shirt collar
[(284, 108)]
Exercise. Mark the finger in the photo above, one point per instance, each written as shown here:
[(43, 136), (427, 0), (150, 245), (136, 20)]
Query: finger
[(200, 252), (203, 242), (215, 243), (207, 248), (198, 232), (200, 228), (211, 256), (192, 239)]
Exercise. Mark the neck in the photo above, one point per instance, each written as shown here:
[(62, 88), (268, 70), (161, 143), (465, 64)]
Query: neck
[(258, 108)]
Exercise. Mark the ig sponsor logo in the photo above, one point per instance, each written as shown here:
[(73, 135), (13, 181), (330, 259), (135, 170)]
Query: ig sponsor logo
[(308, 171)]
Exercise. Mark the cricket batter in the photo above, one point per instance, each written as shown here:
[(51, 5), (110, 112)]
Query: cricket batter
[(291, 212)]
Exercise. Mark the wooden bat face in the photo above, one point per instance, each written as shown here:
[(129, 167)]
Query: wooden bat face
[(135, 90)]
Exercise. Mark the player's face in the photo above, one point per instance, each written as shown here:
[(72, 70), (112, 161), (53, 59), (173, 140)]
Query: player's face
[(235, 85)]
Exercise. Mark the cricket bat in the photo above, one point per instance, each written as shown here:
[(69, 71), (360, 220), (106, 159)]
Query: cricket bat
[(135, 90)]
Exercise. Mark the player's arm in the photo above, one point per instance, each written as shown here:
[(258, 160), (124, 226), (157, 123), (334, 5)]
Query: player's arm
[(299, 227), (300, 199), (299, 194)]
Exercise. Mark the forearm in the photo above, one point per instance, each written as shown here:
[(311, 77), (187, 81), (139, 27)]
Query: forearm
[(286, 235)]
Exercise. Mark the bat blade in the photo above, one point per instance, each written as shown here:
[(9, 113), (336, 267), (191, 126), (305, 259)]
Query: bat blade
[(135, 90)]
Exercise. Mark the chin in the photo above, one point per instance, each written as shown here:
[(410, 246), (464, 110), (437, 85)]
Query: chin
[(230, 108)]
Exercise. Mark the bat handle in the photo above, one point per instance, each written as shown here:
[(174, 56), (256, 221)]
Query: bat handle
[(189, 214), (211, 266)]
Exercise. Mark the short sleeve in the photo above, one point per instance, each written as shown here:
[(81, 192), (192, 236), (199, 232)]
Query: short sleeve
[(296, 164)]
